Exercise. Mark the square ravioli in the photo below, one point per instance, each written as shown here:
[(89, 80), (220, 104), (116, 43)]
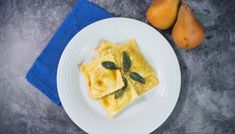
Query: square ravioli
[(114, 105), (131, 77), (100, 80), (138, 63), (105, 47)]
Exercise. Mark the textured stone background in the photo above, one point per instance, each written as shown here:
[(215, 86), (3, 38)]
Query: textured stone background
[(207, 100)]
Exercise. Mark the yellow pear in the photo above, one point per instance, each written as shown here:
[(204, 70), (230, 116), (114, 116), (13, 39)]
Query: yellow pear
[(162, 13), (188, 32)]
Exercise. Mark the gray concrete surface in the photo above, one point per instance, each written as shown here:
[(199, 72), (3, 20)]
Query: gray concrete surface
[(207, 101)]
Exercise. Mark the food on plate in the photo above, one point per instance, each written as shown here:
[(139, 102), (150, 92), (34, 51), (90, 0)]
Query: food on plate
[(188, 31), (102, 81), (162, 13), (115, 102), (105, 47), (138, 63), (133, 73)]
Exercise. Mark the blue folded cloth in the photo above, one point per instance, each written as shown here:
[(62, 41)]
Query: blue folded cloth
[(43, 72)]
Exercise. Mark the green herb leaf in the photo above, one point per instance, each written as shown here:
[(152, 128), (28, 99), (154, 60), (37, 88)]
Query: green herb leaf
[(136, 77), (120, 92), (109, 65), (126, 62)]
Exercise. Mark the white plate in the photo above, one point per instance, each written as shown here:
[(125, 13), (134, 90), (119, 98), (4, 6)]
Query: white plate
[(143, 116)]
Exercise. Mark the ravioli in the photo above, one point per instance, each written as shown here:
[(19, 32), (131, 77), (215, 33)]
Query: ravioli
[(150, 81), (101, 81), (139, 63), (104, 84), (114, 105), (105, 48)]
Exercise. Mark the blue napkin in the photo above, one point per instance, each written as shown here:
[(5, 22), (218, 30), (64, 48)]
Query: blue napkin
[(43, 72)]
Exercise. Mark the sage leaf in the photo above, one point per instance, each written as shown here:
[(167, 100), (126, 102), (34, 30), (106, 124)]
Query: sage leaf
[(126, 61), (120, 92), (136, 77), (109, 65)]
